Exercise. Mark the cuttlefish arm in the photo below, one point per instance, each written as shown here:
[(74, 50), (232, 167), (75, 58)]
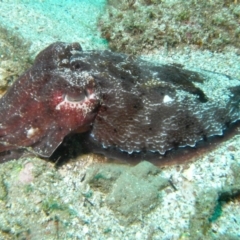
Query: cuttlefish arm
[(49, 101)]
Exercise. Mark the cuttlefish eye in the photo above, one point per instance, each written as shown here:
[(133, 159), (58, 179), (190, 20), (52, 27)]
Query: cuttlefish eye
[(76, 97)]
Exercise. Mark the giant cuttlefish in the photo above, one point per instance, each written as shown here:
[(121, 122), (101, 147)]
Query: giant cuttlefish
[(114, 100)]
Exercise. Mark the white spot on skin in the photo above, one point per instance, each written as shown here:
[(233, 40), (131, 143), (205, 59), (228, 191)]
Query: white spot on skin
[(31, 132), (167, 99), (65, 61)]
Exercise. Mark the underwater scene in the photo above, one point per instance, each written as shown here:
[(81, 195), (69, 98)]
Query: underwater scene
[(120, 119)]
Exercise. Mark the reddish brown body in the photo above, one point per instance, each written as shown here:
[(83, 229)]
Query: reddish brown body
[(119, 103)]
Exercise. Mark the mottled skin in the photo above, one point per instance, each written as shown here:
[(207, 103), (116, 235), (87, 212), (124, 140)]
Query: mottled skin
[(125, 104), (35, 111)]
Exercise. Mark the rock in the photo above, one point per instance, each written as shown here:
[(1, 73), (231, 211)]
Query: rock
[(136, 191)]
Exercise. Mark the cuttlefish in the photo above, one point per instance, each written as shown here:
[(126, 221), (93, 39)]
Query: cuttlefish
[(117, 102)]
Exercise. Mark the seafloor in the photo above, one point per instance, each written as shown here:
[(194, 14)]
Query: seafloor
[(88, 197)]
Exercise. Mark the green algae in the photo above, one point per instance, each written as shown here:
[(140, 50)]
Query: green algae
[(141, 26), (14, 57)]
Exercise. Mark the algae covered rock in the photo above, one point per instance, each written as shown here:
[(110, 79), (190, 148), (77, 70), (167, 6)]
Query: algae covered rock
[(138, 26), (14, 57), (136, 191)]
